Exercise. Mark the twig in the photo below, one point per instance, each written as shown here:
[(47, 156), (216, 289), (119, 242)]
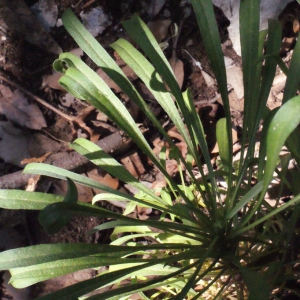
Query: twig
[(114, 144), (207, 101), (36, 98), (77, 119)]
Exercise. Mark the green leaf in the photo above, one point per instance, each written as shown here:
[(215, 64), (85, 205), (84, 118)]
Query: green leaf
[(141, 34), (34, 255), (223, 143), (54, 225), (249, 33), (293, 77), (84, 209), (26, 276), (79, 289), (284, 122), (154, 83), (106, 162), (16, 199), (55, 172), (245, 199), (209, 31), (129, 289), (256, 283)]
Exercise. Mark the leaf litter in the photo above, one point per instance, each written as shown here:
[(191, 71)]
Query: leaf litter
[(158, 15)]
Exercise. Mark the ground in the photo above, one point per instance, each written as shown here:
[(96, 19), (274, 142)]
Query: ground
[(26, 55)]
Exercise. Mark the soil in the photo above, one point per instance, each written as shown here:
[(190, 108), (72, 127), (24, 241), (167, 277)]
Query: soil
[(26, 64)]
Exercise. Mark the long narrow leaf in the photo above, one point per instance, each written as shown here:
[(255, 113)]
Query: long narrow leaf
[(83, 209), (293, 78), (16, 199), (249, 32)]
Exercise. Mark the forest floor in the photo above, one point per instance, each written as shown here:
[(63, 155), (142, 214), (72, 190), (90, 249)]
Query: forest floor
[(38, 118)]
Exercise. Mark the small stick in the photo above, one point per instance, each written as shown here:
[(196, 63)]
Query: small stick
[(208, 101), (77, 119)]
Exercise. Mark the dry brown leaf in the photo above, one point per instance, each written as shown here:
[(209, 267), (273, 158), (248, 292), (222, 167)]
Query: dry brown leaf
[(128, 164), (13, 143), (85, 194), (159, 183), (137, 163), (32, 183), (77, 51), (158, 144), (103, 179), (52, 81), (16, 108), (177, 67), (144, 212), (153, 7), (159, 28)]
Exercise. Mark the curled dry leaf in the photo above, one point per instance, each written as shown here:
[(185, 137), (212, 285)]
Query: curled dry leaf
[(17, 109)]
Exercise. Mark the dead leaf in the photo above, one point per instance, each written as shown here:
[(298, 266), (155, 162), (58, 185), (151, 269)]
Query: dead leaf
[(209, 80), (13, 144), (144, 212), (177, 67), (128, 164), (67, 100), (153, 7), (159, 28), (17, 109), (105, 179), (235, 79), (77, 51), (85, 194), (32, 183), (52, 81), (137, 163)]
